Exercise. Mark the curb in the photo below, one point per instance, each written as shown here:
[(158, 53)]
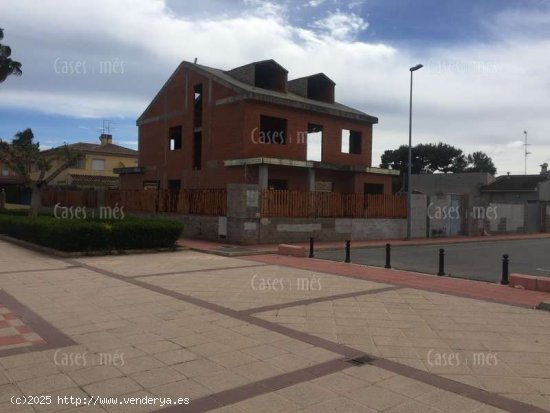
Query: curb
[(227, 253), (63, 254)]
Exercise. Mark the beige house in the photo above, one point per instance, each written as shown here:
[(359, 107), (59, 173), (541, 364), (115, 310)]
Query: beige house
[(95, 168)]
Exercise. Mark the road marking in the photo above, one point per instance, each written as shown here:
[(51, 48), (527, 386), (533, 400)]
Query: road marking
[(543, 269)]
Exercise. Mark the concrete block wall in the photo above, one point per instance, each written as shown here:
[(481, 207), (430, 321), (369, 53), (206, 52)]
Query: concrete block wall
[(289, 230), (194, 226), (245, 226), (510, 218)]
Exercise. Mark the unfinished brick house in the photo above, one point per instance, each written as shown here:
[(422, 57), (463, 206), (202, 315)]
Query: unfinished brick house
[(207, 128)]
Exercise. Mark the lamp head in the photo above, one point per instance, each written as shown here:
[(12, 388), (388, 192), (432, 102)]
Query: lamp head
[(415, 68)]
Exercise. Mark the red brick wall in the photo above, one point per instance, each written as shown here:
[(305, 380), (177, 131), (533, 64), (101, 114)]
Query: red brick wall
[(297, 125), (227, 133)]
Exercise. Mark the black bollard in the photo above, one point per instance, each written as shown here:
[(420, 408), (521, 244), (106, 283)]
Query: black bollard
[(348, 252), (505, 271), (311, 247), (388, 256), (441, 262)]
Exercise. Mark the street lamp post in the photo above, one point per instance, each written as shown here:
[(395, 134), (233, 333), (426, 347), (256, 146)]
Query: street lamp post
[(409, 165)]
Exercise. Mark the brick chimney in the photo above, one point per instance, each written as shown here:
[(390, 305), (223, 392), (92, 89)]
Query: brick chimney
[(106, 139)]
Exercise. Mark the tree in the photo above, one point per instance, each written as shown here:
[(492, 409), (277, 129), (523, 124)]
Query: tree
[(426, 158), (37, 168), (480, 162), (7, 65), (430, 158)]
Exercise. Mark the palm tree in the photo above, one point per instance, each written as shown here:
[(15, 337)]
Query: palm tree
[(7, 65)]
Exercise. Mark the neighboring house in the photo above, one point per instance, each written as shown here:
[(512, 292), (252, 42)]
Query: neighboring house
[(8, 177), (207, 128), (523, 197), (95, 168), (518, 189), (509, 203), (12, 184), (466, 183)]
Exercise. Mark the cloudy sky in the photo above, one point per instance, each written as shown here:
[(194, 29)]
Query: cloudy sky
[(486, 77)]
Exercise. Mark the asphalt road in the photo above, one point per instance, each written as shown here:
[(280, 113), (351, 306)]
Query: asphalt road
[(472, 260)]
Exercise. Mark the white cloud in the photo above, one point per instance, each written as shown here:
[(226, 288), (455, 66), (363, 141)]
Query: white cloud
[(342, 26), (471, 96), (315, 3)]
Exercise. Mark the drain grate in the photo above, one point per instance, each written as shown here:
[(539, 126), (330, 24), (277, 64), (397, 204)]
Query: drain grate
[(361, 360)]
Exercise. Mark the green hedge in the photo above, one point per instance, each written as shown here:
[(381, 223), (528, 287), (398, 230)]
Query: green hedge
[(18, 212), (91, 235)]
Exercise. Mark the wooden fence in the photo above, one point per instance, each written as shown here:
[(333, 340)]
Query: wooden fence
[(386, 206), (78, 197), (291, 204), (188, 201), (298, 204)]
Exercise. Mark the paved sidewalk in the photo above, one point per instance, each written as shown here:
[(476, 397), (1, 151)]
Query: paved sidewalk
[(255, 335), (448, 285)]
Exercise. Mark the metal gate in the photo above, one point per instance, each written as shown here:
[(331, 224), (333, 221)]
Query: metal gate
[(533, 216)]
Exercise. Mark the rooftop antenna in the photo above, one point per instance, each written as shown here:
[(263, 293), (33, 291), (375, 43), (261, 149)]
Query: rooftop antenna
[(527, 153), (107, 127)]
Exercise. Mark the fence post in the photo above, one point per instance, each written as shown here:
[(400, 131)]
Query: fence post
[(505, 270), (311, 247), (388, 256), (441, 262), (348, 252)]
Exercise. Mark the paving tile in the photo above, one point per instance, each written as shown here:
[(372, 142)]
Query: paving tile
[(268, 403), (140, 363), (375, 397), (197, 368), (183, 388), (232, 359), (511, 385), (210, 349), (31, 371), (339, 405), (220, 381), (369, 374), (405, 386), (45, 384), (7, 391), (340, 383), (414, 407), (307, 394), (265, 351), (228, 409), (157, 346), (93, 374), (446, 401), (176, 356), (112, 387)]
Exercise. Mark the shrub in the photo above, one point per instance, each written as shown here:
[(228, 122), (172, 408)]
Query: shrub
[(16, 212), (142, 233), (91, 235)]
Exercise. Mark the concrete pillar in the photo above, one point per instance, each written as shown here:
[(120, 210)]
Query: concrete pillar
[(263, 176), (311, 179)]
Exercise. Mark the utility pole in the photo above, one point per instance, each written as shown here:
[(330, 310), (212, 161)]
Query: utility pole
[(527, 153)]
